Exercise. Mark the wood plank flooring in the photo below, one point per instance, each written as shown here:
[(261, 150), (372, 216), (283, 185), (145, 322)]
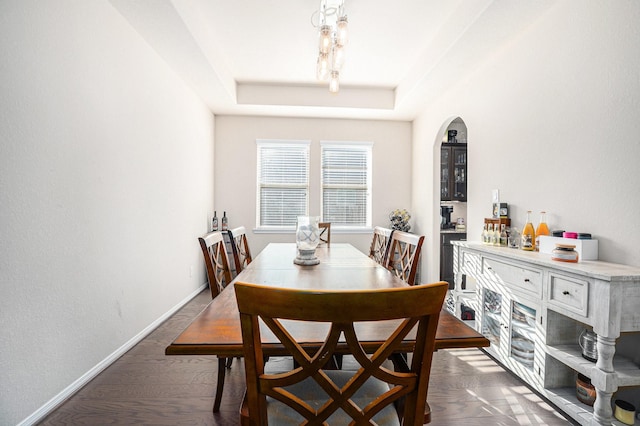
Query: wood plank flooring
[(145, 387)]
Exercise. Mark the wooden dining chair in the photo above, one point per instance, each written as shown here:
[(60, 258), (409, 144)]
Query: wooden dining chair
[(325, 233), (403, 257), (370, 393), (216, 261), (219, 276), (240, 248), (380, 244)]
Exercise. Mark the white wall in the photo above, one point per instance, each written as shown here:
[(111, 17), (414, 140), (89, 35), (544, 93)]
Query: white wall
[(553, 121), (106, 180), (235, 167)]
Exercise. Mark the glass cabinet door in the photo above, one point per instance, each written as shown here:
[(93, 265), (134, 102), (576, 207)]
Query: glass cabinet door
[(445, 195), (492, 316), (523, 331), (459, 173)]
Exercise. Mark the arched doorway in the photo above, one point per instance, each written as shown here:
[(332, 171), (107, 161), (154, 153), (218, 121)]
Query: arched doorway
[(452, 202)]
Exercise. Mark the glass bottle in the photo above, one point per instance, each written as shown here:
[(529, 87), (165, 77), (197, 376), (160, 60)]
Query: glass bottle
[(484, 234), (542, 229), (528, 234), (214, 222), (503, 235), (513, 238), (225, 222), (495, 236)]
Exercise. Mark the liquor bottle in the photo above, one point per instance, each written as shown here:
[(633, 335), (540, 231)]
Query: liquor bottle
[(528, 234), (225, 222), (214, 222), (503, 235), (542, 229), (483, 236)]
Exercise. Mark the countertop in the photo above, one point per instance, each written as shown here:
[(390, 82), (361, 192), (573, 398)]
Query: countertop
[(452, 231), (594, 268)]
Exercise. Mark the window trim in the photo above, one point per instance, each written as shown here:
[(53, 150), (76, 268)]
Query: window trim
[(278, 142), (367, 227)]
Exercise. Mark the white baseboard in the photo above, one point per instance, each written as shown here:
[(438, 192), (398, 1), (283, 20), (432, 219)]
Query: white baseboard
[(57, 400)]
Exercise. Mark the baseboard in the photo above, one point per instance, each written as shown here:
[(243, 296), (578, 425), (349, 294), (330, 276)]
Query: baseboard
[(74, 387)]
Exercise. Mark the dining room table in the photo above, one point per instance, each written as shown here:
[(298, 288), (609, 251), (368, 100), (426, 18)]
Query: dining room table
[(216, 329)]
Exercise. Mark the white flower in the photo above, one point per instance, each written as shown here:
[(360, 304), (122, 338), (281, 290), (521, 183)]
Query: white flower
[(400, 219)]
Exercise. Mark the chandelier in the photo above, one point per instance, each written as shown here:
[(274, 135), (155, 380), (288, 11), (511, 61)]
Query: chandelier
[(331, 21)]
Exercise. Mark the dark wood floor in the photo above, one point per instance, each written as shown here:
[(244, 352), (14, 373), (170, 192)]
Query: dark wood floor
[(146, 387)]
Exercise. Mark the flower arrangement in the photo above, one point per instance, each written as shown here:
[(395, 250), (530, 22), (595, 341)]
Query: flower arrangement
[(400, 220)]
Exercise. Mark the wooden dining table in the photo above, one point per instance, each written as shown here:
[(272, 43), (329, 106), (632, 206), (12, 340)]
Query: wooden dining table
[(216, 329)]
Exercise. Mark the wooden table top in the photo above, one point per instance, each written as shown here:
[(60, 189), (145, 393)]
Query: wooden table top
[(216, 330)]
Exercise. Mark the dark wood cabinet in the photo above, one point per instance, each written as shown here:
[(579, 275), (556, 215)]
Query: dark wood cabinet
[(446, 255), (453, 172)]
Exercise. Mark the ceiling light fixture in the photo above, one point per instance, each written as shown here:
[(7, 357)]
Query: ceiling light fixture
[(333, 33)]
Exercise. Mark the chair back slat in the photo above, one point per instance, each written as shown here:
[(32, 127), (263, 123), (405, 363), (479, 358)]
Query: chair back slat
[(216, 261), (380, 244), (403, 257), (240, 248), (325, 233), (311, 392)]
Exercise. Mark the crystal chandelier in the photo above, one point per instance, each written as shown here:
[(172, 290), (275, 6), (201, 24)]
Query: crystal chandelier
[(331, 21)]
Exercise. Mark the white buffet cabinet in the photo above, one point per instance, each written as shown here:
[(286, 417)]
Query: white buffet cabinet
[(533, 310)]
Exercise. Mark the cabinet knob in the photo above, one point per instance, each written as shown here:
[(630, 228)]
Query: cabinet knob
[(566, 293), (526, 280)]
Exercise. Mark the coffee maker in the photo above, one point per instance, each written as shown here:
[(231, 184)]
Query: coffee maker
[(445, 214)]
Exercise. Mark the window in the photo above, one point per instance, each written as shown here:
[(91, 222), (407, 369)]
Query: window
[(346, 184), (283, 183)]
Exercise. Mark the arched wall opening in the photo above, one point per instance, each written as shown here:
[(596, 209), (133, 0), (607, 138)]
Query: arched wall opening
[(450, 193)]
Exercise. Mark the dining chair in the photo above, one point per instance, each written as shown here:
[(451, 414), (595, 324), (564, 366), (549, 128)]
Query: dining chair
[(372, 392), (325, 232), (403, 255), (240, 248), (219, 276), (380, 244)]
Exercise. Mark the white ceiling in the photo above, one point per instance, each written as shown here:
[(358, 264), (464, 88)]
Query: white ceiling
[(258, 57)]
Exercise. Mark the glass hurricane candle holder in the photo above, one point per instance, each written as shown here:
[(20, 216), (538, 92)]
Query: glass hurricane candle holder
[(307, 239)]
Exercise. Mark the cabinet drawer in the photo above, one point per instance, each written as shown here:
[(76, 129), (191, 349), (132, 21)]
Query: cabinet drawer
[(529, 280), (469, 262), (569, 293)]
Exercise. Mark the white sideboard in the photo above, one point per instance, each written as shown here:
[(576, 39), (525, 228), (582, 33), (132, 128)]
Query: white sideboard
[(533, 310)]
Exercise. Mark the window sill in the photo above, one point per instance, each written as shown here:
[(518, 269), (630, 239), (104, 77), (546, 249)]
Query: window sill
[(334, 230), (274, 230)]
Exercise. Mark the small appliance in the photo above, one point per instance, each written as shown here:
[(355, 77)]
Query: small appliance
[(445, 213)]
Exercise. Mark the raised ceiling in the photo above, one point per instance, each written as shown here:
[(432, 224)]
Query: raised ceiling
[(257, 57)]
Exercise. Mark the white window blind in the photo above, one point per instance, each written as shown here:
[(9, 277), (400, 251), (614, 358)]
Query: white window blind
[(283, 182), (346, 184)]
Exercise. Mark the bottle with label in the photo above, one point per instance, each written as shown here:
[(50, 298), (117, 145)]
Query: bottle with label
[(495, 237), (503, 235), (214, 222), (542, 229), (528, 237), (483, 236), (225, 222)]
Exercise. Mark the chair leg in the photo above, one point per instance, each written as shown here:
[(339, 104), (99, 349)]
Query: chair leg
[(221, 372), (427, 413), (228, 363)]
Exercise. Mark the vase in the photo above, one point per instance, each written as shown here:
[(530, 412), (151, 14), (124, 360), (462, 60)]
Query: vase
[(307, 239)]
